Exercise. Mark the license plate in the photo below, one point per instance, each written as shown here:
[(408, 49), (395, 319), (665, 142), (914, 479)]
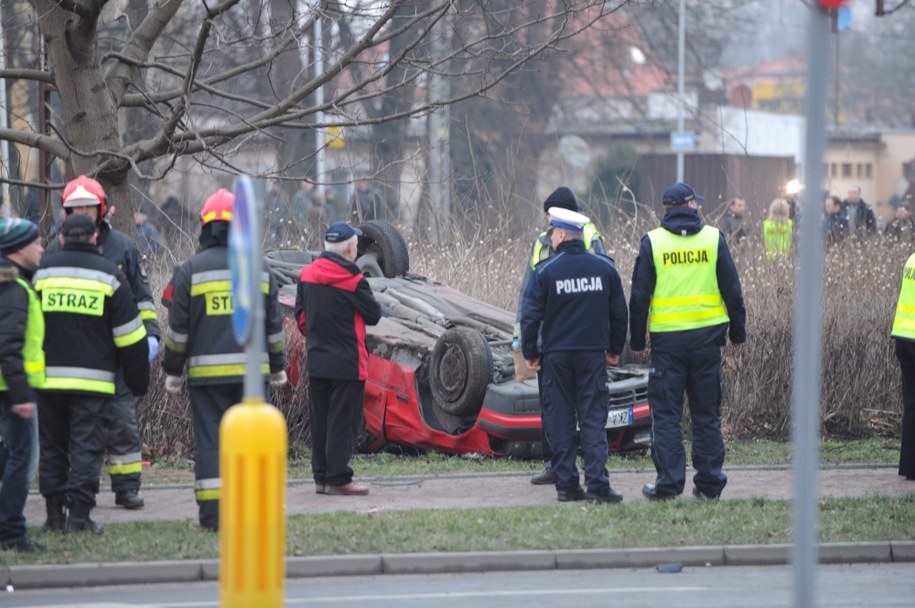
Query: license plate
[(617, 418)]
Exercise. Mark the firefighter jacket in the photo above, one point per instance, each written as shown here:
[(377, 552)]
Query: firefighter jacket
[(199, 334), (904, 320), (682, 226), (92, 323), (22, 365), (333, 305), (121, 250)]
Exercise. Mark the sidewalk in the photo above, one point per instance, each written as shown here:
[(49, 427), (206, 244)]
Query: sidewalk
[(470, 491)]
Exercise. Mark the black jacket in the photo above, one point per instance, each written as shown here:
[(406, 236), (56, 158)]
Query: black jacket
[(577, 298), (684, 220), (333, 305), (81, 335), (14, 306)]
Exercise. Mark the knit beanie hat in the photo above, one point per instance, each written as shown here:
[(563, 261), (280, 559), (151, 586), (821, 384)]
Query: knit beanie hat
[(16, 234), (561, 197)]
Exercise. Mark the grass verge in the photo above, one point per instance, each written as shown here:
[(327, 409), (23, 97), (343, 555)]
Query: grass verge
[(567, 526)]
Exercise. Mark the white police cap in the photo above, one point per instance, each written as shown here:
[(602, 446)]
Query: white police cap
[(567, 219)]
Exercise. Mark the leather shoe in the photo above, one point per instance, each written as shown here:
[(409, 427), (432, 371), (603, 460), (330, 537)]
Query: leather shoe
[(348, 489), (320, 488), (650, 492), (23, 544), (129, 499), (571, 495), (611, 498), (704, 496), (546, 477)]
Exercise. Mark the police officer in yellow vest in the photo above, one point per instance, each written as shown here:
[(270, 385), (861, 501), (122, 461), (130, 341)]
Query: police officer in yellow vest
[(904, 333), (686, 293), (22, 372), (561, 198)]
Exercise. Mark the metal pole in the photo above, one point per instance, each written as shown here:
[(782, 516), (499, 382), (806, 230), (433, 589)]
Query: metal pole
[(681, 75), (319, 101), (807, 319), (4, 123)]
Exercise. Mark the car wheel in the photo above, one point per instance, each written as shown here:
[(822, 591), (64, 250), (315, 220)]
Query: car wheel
[(460, 371), (369, 265), (385, 242)]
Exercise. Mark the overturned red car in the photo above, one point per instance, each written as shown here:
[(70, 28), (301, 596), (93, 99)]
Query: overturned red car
[(441, 373)]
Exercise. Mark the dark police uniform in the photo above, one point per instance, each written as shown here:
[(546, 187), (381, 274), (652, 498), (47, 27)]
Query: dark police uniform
[(685, 276), (575, 301)]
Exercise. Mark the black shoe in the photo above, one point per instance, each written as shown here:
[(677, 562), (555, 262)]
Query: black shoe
[(129, 499), (650, 492), (23, 544), (546, 477), (57, 515), (207, 527), (703, 496), (79, 521), (571, 495), (611, 498)]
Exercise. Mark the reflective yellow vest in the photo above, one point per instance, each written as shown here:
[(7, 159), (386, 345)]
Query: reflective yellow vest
[(542, 244), (777, 238), (32, 351), (686, 294), (904, 322)]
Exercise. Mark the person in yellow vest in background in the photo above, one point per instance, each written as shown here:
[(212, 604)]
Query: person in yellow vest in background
[(686, 293), (778, 231), (561, 198), (22, 372), (904, 334)]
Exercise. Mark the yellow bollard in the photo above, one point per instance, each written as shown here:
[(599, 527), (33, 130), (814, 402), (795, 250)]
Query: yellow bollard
[(252, 509)]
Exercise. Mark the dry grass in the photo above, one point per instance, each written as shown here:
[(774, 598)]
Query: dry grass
[(861, 393)]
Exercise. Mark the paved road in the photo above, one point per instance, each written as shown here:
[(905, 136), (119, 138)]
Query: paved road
[(490, 490)]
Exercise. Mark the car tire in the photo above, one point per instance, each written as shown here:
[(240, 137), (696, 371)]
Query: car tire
[(388, 246), (460, 371), (369, 265)]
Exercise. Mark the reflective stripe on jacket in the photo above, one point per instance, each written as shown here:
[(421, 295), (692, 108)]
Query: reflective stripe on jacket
[(904, 321), (686, 295)]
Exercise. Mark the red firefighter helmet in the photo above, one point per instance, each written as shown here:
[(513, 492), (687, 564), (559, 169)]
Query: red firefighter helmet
[(84, 192), (218, 207)]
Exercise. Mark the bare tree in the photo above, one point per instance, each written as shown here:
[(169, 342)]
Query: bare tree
[(139, 89)]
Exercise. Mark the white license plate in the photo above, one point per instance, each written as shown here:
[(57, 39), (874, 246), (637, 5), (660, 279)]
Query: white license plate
[(617, 418)]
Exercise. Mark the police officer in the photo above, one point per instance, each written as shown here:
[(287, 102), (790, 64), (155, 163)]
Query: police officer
[(561, 198), (686, 291), (199, 335), (22, 372), (904, 334), (93, 327), (575, 302), (85, 196)]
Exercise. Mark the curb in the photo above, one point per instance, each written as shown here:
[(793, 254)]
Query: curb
[(131, 573)]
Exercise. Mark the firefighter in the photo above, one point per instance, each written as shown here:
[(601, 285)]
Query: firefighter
[(93, 328), (85, 196), (561, 198), (686, 292), (200, 336)]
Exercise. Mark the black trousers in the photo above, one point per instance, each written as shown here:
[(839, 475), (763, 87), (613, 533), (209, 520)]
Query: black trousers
[(905, 353), (336, 411), (125, 461), (71, 431)]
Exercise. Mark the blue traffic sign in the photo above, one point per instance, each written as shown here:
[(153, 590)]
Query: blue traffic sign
[(243, 259)]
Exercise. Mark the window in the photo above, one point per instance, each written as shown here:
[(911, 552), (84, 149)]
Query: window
[(868, 171), (846, 169)]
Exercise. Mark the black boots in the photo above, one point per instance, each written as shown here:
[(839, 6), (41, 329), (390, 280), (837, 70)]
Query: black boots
[(129, 499), (79, 521), (57, 518)]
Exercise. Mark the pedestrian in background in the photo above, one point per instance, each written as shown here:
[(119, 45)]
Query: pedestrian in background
[(733, 222), (901, 229), (904, 334), (835, 226), (200, 337), (575, 303), (367, 204), (333, 305), (93, 330), (22, 373), (686, 292), (541, 249), (85, 196), (858, 214), (778, 231)]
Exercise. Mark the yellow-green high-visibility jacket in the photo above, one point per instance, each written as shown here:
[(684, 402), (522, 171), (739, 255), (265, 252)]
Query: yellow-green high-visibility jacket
[(92, 323), (686, 294), (777, 237), (904, 321), (21, 339)]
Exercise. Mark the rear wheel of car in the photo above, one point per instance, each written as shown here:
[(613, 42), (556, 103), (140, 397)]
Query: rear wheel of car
[(460, 371), (385, 242)]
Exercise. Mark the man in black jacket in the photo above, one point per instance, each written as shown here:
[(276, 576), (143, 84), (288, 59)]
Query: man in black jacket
[(21, 374), (333, 305), (93, 329), (858, 214)]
